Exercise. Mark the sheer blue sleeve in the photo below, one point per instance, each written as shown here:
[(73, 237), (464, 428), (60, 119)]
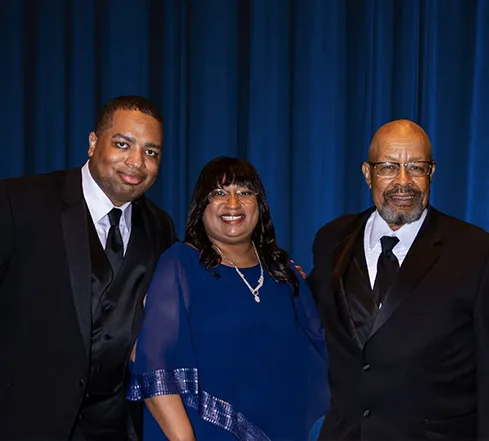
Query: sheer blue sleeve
[(165, 362), (308, 316)]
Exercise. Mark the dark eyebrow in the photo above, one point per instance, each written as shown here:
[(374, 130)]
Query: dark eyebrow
[(127, 138), (150, 145)]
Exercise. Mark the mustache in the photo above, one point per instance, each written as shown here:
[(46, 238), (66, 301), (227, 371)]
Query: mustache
[(403, 189)]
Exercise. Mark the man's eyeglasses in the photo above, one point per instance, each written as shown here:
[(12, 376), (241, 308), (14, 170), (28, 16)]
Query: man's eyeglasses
[(416, 169), (220, 196)]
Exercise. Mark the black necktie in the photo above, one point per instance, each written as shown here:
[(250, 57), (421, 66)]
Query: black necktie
[(387, 267), (115, 247)]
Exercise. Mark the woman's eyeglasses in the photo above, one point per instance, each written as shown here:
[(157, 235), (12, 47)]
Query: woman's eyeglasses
[(220, 196)]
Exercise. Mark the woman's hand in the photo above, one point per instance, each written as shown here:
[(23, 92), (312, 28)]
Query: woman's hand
[(299, 268)]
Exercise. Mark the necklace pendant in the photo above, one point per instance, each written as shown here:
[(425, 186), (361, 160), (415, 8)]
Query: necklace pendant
[(261, 279)]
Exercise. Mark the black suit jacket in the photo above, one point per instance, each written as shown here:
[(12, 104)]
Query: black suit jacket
[(45, 300), (424, 370)]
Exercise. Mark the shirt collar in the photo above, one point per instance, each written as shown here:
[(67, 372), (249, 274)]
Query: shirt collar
[(406, 234), (97, 201)]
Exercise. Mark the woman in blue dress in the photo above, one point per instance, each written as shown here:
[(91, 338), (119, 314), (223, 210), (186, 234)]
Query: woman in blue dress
[(231, 345)]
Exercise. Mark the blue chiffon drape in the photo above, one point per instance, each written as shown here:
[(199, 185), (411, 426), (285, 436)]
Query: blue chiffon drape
[(246, 370)]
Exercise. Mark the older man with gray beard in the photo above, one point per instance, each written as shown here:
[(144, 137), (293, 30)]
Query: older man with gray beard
[(404, 295)]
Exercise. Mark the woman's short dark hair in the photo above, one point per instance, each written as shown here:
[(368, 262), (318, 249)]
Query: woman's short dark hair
[(221, 172)]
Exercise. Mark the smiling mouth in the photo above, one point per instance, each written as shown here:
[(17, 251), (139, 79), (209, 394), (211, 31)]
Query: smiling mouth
[(131, 179), (232, 219), (403, 200), (403, 197)]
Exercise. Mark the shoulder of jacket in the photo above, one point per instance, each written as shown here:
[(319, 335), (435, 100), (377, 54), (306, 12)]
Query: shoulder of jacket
[(342, 225)]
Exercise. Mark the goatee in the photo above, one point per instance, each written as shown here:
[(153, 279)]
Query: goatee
[(391, 214)]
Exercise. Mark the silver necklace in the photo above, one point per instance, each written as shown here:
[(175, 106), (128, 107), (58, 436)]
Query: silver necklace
[(254, 291)]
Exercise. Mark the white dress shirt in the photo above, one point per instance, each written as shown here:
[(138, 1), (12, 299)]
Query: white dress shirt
[(99, 206), (377, 227)]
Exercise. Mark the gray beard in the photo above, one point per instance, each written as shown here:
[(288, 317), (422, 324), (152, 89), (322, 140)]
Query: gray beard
[(392, 217)]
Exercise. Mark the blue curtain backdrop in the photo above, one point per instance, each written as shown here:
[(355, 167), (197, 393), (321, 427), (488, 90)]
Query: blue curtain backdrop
[(297, 87)]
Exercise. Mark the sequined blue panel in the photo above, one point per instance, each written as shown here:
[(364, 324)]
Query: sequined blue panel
[(222, 414), (163, 382), (185, 383)]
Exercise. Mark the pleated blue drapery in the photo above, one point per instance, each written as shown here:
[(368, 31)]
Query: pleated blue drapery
[(296, 87)]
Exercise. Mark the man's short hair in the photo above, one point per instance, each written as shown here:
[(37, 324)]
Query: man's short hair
[(130, 102)]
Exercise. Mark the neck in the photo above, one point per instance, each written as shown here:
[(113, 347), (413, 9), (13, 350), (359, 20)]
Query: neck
[(242, 255), (394, 227)]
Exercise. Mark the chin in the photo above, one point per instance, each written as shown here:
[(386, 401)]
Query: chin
[(233, 240), (125, 198), (401, 216)]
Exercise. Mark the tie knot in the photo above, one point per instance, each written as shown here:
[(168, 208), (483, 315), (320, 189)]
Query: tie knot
[(115, 217), (388, 243)]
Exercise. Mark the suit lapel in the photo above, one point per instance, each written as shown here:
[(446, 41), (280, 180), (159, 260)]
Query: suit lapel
[(75, 234), (423, 254), (344, 314), (342, 256), (151, 246), (141, 242)]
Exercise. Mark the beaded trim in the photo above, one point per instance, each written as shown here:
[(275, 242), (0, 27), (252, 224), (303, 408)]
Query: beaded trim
[(185, 382)]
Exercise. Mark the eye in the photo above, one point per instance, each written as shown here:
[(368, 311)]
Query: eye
[(245, 193), (415, 168), (122, 145), (218, 192), (152, 153)]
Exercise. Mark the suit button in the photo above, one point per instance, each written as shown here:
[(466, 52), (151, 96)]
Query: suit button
[(107, 337), (81, 382), (366, 367), (366, 414), (107, 307)]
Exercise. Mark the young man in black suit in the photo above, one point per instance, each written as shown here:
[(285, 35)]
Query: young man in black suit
[(77, 252), (404, 294)]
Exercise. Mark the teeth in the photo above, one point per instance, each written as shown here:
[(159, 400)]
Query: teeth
[(231, 218)]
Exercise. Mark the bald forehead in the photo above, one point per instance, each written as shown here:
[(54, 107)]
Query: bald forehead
[(402, 134)]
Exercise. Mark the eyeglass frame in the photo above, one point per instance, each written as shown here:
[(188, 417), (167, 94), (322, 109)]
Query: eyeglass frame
[(230, 193), (375, 164)]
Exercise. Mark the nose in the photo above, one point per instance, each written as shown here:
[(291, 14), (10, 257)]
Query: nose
[(233, 201), (403, 177), (135, 157)]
